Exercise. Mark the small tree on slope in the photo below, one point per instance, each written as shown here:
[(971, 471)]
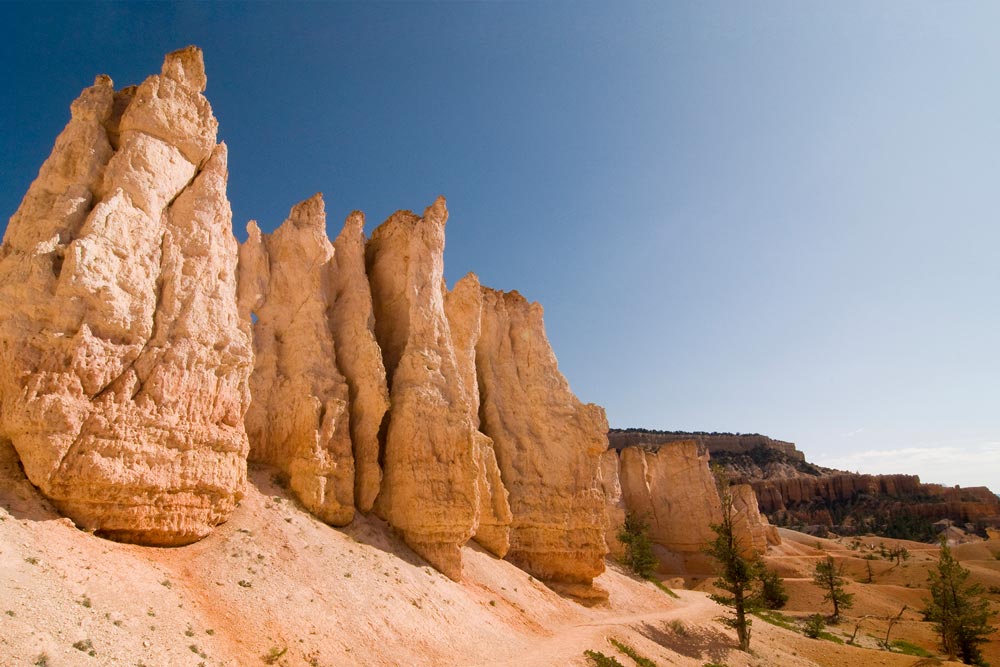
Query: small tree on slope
[(634, 534), (958, 610), (738, 576), (829, 577)]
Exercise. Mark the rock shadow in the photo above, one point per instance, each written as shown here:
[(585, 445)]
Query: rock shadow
[(699, 643), (18, 496), (366, 529)]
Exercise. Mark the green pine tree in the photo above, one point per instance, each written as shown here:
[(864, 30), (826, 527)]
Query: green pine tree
[(960, 613), (634, 534), (773, 592), (829, 577), (738, 575)]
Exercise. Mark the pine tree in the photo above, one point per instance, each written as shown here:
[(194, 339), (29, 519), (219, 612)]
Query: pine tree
[(958, 610), (773, 592), (739, 575), (829, 577), (634, 534)]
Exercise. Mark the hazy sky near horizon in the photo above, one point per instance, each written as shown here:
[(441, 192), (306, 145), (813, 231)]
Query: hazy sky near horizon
[(775, 217)]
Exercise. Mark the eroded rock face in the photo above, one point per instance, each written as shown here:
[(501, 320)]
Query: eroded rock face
[(298, 419), (352, 322), (615, 502), (753, 532), (673, 487), (548, 446), (464, 306), (430, 472), (123, 362)]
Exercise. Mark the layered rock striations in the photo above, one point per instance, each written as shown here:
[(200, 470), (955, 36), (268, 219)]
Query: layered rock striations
[(123, 362), (429, 486), (715, 443), (548, 446), (298, 419)]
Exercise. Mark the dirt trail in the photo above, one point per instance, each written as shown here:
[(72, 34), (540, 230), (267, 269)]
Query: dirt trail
[(567, 642)]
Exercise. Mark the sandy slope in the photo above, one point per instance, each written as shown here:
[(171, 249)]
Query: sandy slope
[(275, 581)]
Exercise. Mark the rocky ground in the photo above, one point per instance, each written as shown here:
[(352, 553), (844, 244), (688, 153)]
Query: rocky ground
[(276, 586)]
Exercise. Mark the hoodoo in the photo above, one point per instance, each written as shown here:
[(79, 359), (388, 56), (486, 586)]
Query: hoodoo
[(123, 362)]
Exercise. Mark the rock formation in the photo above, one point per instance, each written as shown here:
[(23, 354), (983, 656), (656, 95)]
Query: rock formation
[(298, 419), (123, 362), (615, 508), (752, 529), (429, 486), (464, 307), (127, 341), (715, 443), (352, 322), (548, 446), (673, 487)]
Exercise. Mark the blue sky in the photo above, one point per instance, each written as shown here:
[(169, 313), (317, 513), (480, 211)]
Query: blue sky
[(759, 217)]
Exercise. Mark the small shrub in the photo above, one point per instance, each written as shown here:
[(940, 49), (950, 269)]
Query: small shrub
[(190, 631), (274, 655), (85, 602), (640, 660), (602, 660), (244, 583), (31, 560), (166, 583), (678, 627), (42, 660), (197, 651), (814, 626), (86, 646), (10, 612)]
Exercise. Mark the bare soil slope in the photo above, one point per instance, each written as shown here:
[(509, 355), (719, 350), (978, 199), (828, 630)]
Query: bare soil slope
[(275, 586)]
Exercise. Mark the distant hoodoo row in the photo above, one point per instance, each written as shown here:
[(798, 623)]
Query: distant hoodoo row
[(145, 355)]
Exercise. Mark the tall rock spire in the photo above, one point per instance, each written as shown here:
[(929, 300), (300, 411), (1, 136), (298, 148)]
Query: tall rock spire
[(124, 362)]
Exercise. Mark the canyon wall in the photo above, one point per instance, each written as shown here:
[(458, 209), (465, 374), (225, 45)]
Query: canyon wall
[(715, 443)]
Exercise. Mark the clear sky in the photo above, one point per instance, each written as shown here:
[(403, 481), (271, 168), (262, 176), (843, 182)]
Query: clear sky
[(774, 217)]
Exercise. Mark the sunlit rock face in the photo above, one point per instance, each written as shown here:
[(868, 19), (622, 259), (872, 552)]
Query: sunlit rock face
[(123, 362), (753, 531), (352, 323), (430, 472), (548, 446), (614, 502), (673, 488), (464, 307), (298, 419)]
